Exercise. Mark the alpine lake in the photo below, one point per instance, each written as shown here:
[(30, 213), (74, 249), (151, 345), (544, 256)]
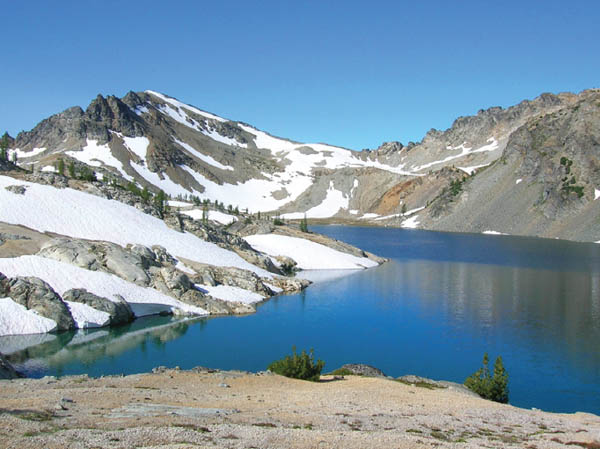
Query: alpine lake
[(433, 310)]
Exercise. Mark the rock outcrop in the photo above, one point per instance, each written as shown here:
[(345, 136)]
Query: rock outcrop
[(99, 256), (119, 310), (35, 294), (360, 369)]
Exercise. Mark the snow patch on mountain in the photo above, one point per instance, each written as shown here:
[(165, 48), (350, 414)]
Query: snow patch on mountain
[(254, 194), (213, 134), (470, 170), (21, 154), (165, 183), (411, 223), (464, 151), (137, 145), (97, 155), (179, 105), (203, 157)]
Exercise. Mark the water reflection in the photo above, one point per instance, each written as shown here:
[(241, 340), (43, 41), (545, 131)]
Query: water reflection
[(442, 301), (34, 353)]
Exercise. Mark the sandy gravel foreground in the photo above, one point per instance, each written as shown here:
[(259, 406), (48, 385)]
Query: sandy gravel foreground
[(207, 408)]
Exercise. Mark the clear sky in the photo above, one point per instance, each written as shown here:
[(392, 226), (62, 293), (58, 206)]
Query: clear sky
[(349, 73)]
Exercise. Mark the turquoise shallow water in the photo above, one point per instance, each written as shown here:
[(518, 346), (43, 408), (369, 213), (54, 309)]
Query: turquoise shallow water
[(441, 301)]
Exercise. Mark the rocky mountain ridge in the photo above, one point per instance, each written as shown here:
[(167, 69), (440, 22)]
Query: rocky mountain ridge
[(158, 142)]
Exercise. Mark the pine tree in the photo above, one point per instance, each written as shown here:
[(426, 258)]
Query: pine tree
[(499, 386), (4, 143), (71, 169), (146, 194), (304, 224), (61, 167), (205, 214), (490, 387), (159, 201)]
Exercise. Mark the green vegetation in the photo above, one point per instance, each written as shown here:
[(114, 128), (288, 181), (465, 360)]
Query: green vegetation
[(493, 387), (456, 186), (145, 194), (304, 224), (35, 415), (61, 167), (4, 142), (569, 185), (296, 366), (71, 169), (421, 384), (205, 214), (160, 201), (87, 174), (342, 372), (133, 188)]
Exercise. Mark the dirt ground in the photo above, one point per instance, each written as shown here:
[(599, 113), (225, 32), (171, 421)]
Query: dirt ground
[(208, 408)]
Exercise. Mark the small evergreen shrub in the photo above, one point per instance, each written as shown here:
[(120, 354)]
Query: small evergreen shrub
[(493, 387), (296, 366), (304, 224)]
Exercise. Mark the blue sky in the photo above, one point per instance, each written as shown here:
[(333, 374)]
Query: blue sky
[(348, 73)]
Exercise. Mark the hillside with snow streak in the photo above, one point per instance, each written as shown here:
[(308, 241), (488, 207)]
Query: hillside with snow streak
[(78, 214), (458, 177)]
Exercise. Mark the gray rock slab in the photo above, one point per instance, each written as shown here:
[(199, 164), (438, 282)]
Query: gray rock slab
[(138, 410)]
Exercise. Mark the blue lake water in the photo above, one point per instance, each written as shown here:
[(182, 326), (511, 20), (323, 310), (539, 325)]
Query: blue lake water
[(441, 302)]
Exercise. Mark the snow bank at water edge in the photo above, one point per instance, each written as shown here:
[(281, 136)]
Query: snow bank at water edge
[(411, 223), (62, 277), (308, 255), (16, 319)]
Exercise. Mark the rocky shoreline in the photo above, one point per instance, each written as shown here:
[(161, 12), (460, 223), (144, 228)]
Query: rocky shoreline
[(156, 279), (171, 408)]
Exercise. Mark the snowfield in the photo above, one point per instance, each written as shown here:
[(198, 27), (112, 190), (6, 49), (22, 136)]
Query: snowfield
[(62, 277), (96, 155), (308, 255), (77, 214), (86, 316), (203, 157), (411, 223), (331, 205), (464, 150), (16, 319)]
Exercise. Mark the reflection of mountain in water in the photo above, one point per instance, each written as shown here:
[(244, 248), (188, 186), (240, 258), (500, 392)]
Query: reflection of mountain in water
[(34, 353), (556, 310)]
